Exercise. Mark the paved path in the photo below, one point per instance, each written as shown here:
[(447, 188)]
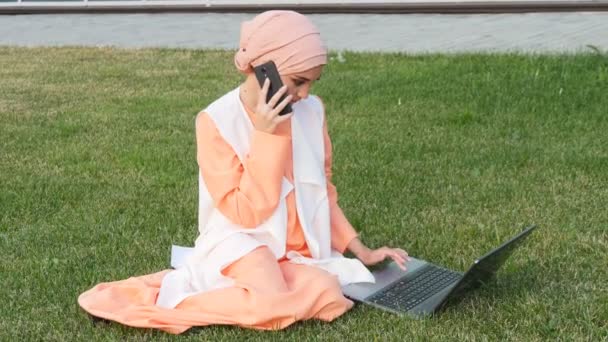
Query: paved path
[(414, 33)]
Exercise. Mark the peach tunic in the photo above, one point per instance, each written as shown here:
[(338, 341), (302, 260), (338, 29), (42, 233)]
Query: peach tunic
[(268, 294)]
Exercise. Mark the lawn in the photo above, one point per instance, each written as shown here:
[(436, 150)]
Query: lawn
[(444, 155)]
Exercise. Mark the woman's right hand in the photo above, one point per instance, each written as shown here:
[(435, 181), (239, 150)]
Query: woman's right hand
[(267, 114)]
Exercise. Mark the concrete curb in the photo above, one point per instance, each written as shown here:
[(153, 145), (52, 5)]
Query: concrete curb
[(427, 7)]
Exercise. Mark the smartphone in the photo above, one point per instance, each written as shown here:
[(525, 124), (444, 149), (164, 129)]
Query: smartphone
[(269, 70)]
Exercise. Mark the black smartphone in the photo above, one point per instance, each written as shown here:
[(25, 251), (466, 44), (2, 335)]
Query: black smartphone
[(269, 70)]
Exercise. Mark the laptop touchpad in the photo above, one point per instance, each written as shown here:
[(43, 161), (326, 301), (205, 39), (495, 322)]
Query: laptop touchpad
[(384, 276)]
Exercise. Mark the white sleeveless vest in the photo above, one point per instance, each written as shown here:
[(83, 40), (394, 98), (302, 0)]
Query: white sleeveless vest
[(221, 242)]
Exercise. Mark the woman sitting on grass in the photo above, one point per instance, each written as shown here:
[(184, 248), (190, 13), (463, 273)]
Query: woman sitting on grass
[(271, 231)]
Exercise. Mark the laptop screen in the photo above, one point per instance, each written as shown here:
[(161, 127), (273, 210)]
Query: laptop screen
[(484, 268)]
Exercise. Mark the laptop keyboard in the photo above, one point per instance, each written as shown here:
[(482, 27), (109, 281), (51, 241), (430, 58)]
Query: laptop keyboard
[(405, 294)]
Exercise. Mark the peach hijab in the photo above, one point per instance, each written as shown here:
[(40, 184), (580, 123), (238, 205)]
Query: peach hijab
[(288, 38)]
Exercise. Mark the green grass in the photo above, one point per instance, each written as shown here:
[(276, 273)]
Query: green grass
[(446, 156)]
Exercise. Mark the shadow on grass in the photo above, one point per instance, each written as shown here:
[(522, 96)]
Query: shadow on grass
[(509, 286)]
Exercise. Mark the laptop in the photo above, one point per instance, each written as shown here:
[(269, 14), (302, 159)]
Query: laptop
[(425, 288)]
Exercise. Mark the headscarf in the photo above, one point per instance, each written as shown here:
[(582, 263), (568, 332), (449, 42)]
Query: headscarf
[(285, 37)]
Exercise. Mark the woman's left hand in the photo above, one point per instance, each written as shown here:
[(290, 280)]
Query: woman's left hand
[(374, 256)]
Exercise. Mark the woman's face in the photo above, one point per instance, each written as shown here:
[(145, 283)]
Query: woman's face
[(298, 85)]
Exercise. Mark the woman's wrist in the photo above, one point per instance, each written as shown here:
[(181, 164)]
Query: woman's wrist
[(357, 247)]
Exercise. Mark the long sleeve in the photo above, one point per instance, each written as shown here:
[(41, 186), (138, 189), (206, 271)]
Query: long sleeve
[(247, 193), (342, 232)]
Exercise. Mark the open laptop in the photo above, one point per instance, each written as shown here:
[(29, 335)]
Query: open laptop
[(424, 288)]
